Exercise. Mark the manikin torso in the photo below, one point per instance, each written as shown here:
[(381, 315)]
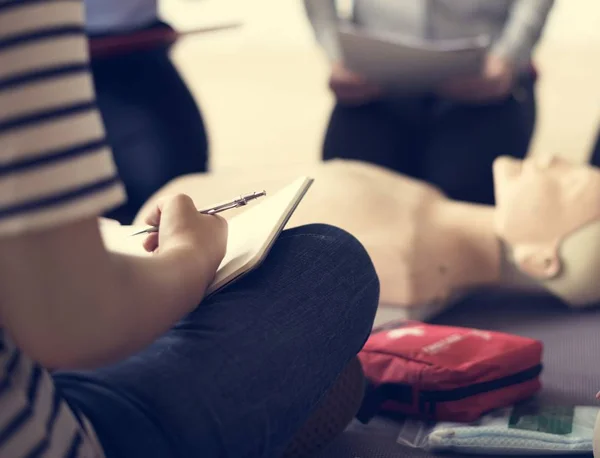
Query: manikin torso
[(427, 248), (419, 241)]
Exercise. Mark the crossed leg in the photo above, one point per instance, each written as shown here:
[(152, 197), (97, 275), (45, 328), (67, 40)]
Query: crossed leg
[(242, 373)]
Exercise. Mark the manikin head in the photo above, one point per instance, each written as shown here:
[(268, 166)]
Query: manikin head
[(548, 214)]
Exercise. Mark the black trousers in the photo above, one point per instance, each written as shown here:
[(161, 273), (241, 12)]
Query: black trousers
[(595, 158), (449, 145), (152, 121)]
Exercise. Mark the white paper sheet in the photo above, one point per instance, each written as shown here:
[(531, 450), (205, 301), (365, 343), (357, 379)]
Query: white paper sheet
[(408, 65)]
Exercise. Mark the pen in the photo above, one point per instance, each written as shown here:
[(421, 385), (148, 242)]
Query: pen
[(239, 202)]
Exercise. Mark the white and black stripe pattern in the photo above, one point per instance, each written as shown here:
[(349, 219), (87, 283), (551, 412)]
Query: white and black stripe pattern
[(34, 420), (55, 164)]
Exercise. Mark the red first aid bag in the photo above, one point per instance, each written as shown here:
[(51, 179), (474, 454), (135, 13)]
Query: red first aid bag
[(446, 373)]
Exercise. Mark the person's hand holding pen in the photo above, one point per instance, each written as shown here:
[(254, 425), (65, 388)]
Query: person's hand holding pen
[(177, 226), (494, 83), (186, 233)]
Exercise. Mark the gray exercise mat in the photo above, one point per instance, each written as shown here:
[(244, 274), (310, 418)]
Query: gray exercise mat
[(571, 351)]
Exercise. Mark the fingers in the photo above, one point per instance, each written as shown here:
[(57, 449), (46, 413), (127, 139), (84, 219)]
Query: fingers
[(221, 221), (217, 223), (150, 243), (350, 79), (484, 88), (177, 203), (222, 234), (350, 87), (355, 94), (152, 218), (341, 75), (355, 84), (178, 213), (182, 202)]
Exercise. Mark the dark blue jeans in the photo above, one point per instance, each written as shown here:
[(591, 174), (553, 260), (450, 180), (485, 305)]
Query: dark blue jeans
[(239, 375)]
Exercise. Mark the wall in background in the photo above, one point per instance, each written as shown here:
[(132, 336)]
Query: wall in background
[(569, 90)]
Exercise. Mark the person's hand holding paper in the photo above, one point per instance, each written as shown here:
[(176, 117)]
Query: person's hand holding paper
[(493, 83), (351, 88)]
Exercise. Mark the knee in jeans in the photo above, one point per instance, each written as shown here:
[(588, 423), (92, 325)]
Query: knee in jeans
[(333, 239), (347, 258), (326, 231)]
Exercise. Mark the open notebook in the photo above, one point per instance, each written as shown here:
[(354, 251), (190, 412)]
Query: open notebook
[(250, 237)]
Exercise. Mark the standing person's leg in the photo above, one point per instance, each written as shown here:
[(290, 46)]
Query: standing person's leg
[(595, 157), (152, 122), (241, 374), (466, 139), (382, 132)]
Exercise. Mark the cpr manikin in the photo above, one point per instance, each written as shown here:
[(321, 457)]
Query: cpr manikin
[(548, 214), (428, 249)]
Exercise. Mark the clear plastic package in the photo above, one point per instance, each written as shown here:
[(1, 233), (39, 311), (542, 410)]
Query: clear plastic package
[(527, 429)]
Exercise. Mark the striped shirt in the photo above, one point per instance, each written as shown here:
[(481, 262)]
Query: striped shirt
[(55, 167)]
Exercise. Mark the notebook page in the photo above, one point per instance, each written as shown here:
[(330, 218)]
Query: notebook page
[(252, 232), (118, 238)]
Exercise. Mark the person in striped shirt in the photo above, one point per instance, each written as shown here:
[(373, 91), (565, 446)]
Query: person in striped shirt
[(103, 354), (134, 78)]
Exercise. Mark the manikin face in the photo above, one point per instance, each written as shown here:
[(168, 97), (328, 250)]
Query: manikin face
[(539, 203)]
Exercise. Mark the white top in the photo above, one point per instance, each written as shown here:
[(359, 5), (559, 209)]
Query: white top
[(55, 167), (514, 25), (106, 16)]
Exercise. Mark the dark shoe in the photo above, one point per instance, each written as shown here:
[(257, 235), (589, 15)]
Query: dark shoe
[(335, 411)]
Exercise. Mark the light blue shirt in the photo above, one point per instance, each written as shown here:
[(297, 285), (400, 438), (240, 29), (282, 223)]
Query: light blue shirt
[(110, 16)]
